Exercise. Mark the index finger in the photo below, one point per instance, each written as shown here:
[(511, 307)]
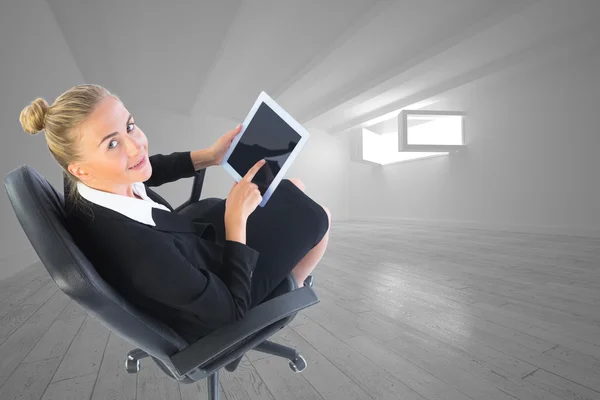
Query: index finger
[(236, 130), (253, 171)]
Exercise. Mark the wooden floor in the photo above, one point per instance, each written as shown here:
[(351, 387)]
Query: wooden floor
[(406, 312)]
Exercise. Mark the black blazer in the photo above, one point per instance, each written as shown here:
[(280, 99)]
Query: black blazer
[(175, 270)]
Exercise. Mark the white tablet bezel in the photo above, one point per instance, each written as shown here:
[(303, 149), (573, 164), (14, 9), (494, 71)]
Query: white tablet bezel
[(304, 136)]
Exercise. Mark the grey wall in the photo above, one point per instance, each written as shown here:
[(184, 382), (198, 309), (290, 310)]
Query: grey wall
[(36, 61), (532, 160)]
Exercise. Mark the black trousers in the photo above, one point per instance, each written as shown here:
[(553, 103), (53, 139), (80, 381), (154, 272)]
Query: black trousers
[(282, 232)]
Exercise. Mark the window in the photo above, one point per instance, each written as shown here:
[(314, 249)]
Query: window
[(424, 130), (420, 134)]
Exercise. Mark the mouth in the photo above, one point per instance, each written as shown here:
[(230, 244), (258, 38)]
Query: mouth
[(139, 164)]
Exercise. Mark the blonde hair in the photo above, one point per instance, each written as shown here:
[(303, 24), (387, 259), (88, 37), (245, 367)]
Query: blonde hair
[(61, 121)]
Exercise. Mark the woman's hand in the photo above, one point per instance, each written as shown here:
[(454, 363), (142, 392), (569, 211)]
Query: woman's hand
[(220, 147), (244, 196), (242, 200)]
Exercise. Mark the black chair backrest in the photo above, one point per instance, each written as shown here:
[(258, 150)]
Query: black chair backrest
[(40, 211)]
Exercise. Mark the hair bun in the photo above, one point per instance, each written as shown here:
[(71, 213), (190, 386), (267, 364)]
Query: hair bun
[(33, 116)]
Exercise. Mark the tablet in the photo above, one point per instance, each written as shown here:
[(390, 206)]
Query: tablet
[(268, 132)]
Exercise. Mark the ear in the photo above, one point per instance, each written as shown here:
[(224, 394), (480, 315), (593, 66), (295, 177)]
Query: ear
[(79, 172)]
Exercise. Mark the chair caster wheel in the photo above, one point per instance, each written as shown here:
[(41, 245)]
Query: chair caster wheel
[(298, 364), (132, 366)]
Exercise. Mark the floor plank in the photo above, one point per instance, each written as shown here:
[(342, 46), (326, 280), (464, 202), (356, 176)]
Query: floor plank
[(199, 391), (71, 389), (58, 338), (428, 377), (284, 384), (574, 357), (323, 375), (368, 375), (418, 346), (86, 351), (21, 313), (245, 383), (561, 386), (8, 304), (153, 384), (30, 380), (14, 350), (14, 283), (113, 381)]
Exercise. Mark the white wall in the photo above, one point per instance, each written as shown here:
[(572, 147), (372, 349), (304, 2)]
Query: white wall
[(532, 161), (322, 166)]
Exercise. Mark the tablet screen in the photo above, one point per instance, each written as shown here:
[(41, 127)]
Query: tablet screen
[(266, 136)]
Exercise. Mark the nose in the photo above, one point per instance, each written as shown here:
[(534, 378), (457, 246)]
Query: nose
[(134, 148)]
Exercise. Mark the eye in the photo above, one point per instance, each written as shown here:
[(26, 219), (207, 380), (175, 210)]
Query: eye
[(110, 146)]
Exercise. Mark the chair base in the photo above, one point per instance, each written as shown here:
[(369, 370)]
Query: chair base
[(278, 350), (213, 386), (297, 363)]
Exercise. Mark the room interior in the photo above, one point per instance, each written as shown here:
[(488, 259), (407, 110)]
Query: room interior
[(465, 270)]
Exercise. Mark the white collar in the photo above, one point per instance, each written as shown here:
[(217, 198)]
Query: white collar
[(136, 209)]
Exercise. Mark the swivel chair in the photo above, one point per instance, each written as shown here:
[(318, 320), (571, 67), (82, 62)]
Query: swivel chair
[(40, 211)]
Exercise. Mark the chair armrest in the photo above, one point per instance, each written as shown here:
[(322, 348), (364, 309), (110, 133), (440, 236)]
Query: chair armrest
[(224, 338), (196, 189)]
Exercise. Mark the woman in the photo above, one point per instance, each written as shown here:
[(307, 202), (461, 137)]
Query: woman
[(195, 271)]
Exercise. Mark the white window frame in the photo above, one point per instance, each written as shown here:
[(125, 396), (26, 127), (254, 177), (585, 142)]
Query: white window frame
[(403, 145)]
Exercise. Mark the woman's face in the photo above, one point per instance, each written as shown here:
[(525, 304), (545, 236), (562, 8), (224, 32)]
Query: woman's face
[(114, 150)]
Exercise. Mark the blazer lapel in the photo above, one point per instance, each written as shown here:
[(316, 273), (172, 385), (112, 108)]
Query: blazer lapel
[(174, 222), (157, 198)]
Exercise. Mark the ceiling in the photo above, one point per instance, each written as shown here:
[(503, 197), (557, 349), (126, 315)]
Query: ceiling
[(333, 64)]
